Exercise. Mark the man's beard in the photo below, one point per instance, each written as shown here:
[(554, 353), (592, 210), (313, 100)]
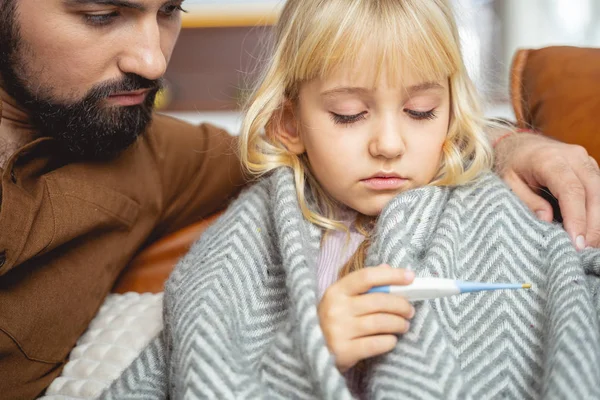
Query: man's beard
[(89, 129)]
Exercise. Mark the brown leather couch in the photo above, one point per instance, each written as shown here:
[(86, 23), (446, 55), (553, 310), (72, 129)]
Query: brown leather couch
[(554, 90)]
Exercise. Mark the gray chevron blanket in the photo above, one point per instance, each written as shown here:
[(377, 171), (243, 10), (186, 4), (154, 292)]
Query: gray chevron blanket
[(241, 320)]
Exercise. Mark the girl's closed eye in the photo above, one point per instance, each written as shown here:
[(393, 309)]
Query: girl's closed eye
[(344, 119), (421, 115)]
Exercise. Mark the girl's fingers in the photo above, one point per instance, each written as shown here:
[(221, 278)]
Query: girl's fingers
[(373, 303), (360, 349), (358, 282), (378, 324)]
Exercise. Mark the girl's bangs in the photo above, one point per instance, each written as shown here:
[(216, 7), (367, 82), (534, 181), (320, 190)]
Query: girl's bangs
[(395, 39)]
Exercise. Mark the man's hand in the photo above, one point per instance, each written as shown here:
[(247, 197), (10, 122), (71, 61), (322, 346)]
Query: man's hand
[(529, 162), (357, 325)]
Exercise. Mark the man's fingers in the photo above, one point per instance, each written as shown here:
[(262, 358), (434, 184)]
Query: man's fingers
[(593, 161), (589, 174), (571, 194), (536, 203), (360, 281), (567, 171)]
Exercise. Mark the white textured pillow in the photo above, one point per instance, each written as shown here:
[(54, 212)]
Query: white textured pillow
[(125, 324)]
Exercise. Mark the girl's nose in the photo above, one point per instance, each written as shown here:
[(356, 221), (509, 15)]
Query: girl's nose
[(387, 142)]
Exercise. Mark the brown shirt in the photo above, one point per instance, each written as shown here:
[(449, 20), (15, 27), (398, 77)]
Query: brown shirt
[(68, 229)]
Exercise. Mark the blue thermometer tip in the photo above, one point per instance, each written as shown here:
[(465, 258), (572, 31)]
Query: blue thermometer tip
[(468, 287)]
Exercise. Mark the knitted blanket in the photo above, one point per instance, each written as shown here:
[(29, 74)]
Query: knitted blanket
[(241, 319)]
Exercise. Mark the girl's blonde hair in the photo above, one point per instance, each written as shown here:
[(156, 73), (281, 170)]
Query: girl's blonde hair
[(315, 37)]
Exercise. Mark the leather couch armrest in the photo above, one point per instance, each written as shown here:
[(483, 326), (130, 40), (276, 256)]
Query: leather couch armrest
[(555, 90)]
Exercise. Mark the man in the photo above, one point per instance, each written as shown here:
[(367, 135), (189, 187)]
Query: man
[(90, 175)]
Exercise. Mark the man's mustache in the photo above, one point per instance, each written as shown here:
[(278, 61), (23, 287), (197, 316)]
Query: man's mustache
[(129, 83)]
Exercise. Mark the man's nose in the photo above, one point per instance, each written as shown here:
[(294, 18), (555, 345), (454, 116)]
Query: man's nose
[(388, 140), (142, 54)]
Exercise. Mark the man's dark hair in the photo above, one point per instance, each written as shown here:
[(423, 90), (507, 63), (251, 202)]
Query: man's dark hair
[(7, 28)]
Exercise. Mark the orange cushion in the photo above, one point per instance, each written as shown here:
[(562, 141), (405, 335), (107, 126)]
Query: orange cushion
[(151, 268), (557, 90)]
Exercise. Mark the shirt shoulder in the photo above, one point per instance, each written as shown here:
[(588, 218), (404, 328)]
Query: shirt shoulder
[(169, 133)]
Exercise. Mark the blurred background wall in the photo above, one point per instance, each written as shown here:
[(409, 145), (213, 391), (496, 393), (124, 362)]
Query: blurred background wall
[(223, 42)]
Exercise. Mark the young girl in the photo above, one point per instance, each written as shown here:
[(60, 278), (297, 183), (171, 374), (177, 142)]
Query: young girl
[(368, 135)]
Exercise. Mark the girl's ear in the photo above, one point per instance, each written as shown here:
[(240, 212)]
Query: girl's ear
[(287, 131)]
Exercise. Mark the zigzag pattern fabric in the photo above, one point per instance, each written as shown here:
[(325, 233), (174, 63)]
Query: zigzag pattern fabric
[(241, 318)]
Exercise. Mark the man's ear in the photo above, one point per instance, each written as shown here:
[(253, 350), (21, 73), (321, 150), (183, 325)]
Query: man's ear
[(287, 131)]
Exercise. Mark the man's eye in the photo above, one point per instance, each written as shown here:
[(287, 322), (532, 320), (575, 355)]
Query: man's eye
[(347, 119), (100, 19), (170, 10)]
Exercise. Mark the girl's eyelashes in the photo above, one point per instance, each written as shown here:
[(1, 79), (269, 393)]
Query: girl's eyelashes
[(343, 119), (421, 115), (347, 119)]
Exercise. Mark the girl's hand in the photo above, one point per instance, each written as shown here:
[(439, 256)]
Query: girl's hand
[(357, 325)]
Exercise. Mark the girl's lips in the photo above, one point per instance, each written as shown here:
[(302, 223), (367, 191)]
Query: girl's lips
[(384, 183)]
